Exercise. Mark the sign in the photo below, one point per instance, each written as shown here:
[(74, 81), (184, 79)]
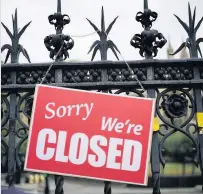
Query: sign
[(90, 134)]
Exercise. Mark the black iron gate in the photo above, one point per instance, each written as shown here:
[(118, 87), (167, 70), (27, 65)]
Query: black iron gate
[(177, 86)]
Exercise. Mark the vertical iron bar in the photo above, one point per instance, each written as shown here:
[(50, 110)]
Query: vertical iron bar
[(107, 187), (193, 46), (11, 141), (13, 116), (103, 50), (199, 106), (12, 138), (47, 188), (107, 184), (155, 163), (155, 160), (145, 4), (59, 180), (12, 119), (13, 51), (104, 71)]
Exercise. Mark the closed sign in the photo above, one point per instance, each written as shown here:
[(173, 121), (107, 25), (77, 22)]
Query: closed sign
[(89, 134)]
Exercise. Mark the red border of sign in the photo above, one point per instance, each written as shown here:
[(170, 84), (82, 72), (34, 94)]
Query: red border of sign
[(64, 174)]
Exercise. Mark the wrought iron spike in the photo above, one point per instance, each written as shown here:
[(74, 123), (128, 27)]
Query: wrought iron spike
[(7, 56), (96, 48), (102, 20), (25, 53), (145, 4), (190, 15), (9, 48), (7, 30), (94, 26), (193, 19), (199, 40), (103, 44), (6, 46), (183, 45), (183, 24), (93, 45), (199, 50), (110, 42), (191, 30), (113, 50), (198, 24), (23, 29), (15, 22), (111, 25), (14, 50), (59, 6)]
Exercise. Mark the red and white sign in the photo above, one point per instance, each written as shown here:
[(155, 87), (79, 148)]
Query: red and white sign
[(90, 134)]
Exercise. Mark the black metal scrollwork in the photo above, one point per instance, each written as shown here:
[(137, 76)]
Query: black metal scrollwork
[(5, 111), (6, 78), (149, 40), (123, 74), (173, 73), (34, 77), (59, 20), (146, 18), (175, 107), (131, 92), (81, 75), (59, 44), (24, 110), (176, 104), (54, 43)]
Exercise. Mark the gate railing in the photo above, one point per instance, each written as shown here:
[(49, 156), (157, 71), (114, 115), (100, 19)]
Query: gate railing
[(95, 75), (177, 86)]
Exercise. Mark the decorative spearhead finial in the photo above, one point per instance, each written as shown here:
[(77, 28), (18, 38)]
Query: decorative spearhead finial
[(59, 20), (147, 17), (59, 42), (191, 43), (103, 45), (149, 40), (15, 49)]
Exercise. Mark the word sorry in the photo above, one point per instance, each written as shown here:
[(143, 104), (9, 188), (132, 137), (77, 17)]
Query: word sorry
[(127, 157), (67, 111)]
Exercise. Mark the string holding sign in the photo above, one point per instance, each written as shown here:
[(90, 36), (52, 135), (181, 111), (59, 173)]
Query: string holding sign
[(57, 54), (128, 66), (131, 71)]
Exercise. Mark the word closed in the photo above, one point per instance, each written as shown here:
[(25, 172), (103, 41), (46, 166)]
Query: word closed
[(79, 145), (90, 135)]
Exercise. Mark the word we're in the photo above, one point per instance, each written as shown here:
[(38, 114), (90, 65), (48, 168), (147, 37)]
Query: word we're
[(113, 124)]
